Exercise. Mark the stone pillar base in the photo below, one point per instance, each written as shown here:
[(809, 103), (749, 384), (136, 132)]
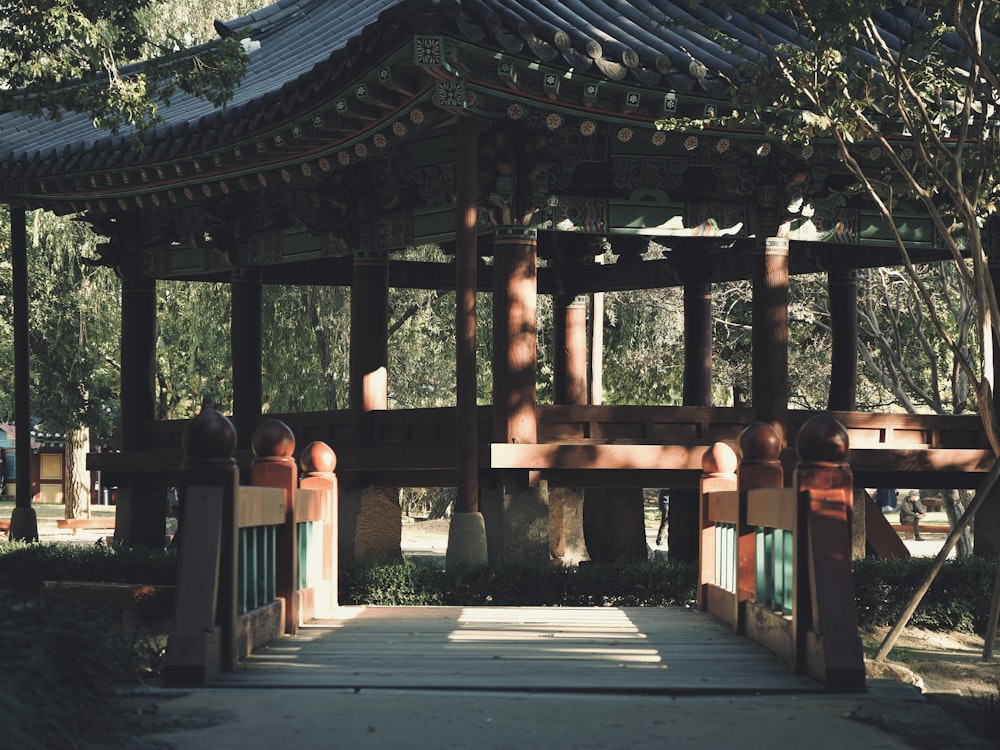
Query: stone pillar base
[(371, 524), (614, 524), (567, 546), (517, 523), (466, 542), (24, 525), (683, 531), (141, 513)]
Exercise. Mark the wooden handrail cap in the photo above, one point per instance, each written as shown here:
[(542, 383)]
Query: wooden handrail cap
[(822, 439), (209, 435), (318, 458), (719, 459), (273, 439), (760, 442)]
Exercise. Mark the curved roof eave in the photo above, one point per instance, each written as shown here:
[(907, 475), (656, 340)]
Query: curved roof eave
[(298, 40)]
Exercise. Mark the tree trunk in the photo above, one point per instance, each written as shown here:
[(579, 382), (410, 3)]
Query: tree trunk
[(77, 478), (955, 503)]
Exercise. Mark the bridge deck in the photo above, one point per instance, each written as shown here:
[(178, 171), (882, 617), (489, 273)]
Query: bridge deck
[(543, 649)]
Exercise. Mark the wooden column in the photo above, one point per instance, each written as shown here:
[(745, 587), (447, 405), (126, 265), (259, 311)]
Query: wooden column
[(466, 257), (571, 350), (597, 340), (23, 520), (685, 515), (369, 345), (770, 335), (245, 334), (514, 335), (140, 515), (843, 292), (138, 356), (697, 344)]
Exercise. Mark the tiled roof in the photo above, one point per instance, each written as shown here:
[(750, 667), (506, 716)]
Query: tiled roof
[(310, 45)]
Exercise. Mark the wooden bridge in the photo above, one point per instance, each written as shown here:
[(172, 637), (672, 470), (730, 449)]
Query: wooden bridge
[(260, 561)]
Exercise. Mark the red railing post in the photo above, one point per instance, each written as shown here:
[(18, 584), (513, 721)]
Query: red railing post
[(718, 466), (760, 467), (203, 636), (824, 482), (273, 466), (318, 463)]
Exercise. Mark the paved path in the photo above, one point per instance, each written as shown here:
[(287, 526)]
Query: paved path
[(488, 678)]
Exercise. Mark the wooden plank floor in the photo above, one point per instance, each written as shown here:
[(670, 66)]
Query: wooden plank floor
[(600, 649)]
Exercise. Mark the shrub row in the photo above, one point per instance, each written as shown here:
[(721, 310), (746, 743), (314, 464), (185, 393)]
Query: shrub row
[(959, 598), (643, 584)]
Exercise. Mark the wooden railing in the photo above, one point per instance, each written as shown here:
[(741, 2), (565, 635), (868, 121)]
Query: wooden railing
[(416, 447), (254, 561), (776, 561)]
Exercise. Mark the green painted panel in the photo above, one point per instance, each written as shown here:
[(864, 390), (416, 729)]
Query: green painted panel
[(638, 216), (185, 259), (430, 226), (915, 230), (298, 245)]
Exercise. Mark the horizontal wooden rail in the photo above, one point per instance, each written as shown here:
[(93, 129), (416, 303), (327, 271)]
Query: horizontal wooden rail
[(416, 447)]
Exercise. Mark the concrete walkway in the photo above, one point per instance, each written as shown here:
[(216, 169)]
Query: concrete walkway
[(496, 678), (264, 719)]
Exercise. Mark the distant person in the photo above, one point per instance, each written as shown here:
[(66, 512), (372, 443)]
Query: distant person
[(663, 502), (886, 499), (911, 511)]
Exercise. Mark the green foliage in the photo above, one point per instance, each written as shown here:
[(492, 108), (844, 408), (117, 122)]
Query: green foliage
[(193, 351), (63, 666), (23, 566), (958, 599), (74, 320), (898, 105), (67, 55), (649, 584)]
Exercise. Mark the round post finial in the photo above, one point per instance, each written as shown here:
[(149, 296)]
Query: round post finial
[(719, 459), (822, 439), (210, 436), (760, 442), (318, 458), (273, 440)]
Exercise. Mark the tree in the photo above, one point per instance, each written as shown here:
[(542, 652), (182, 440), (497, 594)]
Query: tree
[(904, 101), (74, 323), (71, 55)]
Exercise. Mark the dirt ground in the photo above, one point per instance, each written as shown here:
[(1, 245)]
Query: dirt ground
[(936, 662)]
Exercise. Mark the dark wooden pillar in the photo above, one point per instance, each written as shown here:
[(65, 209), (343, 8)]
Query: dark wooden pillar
[(770, 335), (597, 339), (514, 335), (138, 344), (843, 292), (697, 344), (466, 257), (684, 529), (369, 345), (23, 521), (467, 540), (245, 333), (569, 322), (570, 333), (141, 511)]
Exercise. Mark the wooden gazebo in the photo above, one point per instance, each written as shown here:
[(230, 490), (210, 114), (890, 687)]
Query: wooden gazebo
[(520, 136)]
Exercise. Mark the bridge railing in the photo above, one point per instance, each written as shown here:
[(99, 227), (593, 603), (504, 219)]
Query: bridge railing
[(254, 561), (782, 573)]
